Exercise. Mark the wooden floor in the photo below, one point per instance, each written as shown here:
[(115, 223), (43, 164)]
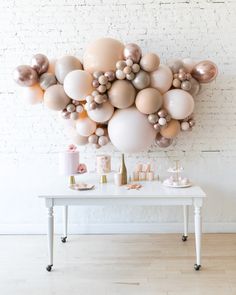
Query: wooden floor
[(118, 264)]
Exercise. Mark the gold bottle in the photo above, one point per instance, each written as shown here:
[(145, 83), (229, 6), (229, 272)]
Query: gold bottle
[(123, 170)]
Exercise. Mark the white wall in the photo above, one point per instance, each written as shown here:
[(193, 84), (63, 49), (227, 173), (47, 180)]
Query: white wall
[(30, 137)]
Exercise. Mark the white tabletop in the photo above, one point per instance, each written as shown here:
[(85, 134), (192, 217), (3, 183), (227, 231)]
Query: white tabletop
[(108, 190)]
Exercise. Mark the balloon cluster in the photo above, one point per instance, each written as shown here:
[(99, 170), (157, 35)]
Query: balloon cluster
[(118, 94)]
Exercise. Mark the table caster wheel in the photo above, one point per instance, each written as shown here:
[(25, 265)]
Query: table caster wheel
[(184, 238), (49, 267), (197, 266), (63, 239)]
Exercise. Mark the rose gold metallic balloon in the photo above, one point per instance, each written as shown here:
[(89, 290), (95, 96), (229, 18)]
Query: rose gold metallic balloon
[(132, 51), (25, 76), (40, 63), (162, 141), (205, 71)]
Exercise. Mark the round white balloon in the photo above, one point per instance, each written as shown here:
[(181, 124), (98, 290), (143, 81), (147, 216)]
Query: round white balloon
[(130, 131), (85, 126), (178, 103), (102, 113)]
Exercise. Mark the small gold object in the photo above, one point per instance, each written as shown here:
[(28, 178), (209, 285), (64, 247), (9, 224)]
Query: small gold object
[(103, 179), (72, 180)]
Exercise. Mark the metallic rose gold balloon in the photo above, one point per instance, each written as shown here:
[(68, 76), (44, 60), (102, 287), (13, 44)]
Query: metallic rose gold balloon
[(132, 51), (205, 71), (25, 76), (162, 141), (40, 63)]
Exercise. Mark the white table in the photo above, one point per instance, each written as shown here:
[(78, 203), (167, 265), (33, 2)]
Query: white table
[(151, 194)]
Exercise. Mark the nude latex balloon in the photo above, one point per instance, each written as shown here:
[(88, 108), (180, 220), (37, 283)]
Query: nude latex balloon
[(172, 129), (102, 55), (150, 62), (189, 64), (102, 113), (162, 78), (121, 94), (85, 127), (55, 98), (65, 65), (78, 84), (33, 94), (149, 101), (130, 131), (51, 67), (178, 103)]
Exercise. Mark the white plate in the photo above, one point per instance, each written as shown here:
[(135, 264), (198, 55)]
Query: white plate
[(82, 187), (178, 186)]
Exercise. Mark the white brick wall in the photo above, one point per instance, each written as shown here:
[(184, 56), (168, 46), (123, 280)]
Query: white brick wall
[(31, 136)]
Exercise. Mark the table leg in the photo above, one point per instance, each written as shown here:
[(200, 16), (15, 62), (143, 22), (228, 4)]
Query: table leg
[(198, 232), (50, 237), (65, 224), (185, 235)]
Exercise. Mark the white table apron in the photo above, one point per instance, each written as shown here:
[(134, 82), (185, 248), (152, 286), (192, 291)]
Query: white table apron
[(152, 194)]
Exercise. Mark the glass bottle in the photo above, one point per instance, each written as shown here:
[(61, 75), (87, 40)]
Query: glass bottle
[(123, 170)]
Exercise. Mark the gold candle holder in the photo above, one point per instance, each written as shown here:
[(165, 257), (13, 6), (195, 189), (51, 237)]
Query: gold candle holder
[(103, 179), (72, 180)]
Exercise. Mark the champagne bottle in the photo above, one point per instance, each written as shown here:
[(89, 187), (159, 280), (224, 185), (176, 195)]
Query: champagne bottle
[(123, 170)]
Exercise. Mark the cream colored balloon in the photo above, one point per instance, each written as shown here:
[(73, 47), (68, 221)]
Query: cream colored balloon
[(189, 64), (162, 78), (130, 131), (150, 62), (121, 94), (65, 65), (32, 95), (51, 67), (102, 55), (149, 100), (178, 103), (102, 113), (55, 98), (85, 127), (172, 129), (78, 84)]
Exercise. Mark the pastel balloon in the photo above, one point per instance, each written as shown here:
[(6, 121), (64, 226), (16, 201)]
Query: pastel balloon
[(25, 76), (178, 103), (149, 101), (132, 51), (65, 65), (55, 98), (102, 113), (161, 79), (46, 80), (78, 84), (121, 94), (130, 131), (172, 129), (205, 71), (33, 94), (85, 126), (195, 87), (175, 65), (51, 67), (150, 62), (40, 63), (141, 80), (102, 55), (162, 141), (189, 64)]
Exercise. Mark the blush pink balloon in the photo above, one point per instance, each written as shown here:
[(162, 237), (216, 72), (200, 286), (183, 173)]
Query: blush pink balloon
[(205, 71), (132, 51)]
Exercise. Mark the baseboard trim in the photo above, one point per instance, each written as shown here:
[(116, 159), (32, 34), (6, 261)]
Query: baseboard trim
[(117, 228)]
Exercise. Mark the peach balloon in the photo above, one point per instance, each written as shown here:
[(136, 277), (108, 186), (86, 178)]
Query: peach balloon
[(121, 94), (148, 101), (78, 84), (85, 127), (178, 103), (32, 95), (189, 64), (65, 65), (102, 113), (150, 62), (102, 55), (172, 129), (55, 98), (162, 78), (51, 67), (130, 131)]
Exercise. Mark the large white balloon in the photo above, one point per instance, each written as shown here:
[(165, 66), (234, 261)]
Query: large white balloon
[(78, 84), (130, 131), (178, 103), (85, 126), (102, 113)]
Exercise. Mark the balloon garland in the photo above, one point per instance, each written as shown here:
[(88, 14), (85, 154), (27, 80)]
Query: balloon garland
[(118, 93)]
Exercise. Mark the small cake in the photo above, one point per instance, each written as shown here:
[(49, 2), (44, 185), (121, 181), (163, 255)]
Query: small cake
[(69, 161), (103, 164)]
